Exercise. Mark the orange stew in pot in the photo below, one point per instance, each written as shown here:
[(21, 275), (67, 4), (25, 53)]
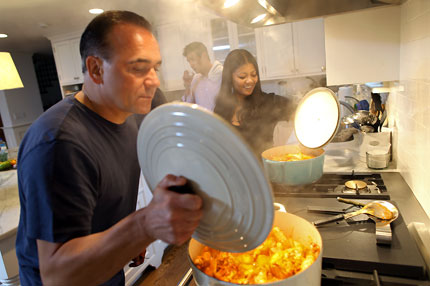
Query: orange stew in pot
[(277, 258), (291, 157)]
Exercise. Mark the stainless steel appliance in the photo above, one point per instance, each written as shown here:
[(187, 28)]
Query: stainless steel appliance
[(352, 253), (285, 11), (333, 185)]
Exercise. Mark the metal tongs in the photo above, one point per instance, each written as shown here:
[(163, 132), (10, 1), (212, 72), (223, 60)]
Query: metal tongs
[(381, 212)]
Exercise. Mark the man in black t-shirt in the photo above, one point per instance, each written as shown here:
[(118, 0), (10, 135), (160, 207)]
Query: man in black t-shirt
[(78, 171)]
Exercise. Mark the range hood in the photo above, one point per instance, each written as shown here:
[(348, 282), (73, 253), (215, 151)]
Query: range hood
[(259, 13)]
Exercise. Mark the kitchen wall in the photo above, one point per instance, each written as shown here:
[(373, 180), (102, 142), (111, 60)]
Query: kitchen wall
[(20, 107), (409, 105), (294, 88)]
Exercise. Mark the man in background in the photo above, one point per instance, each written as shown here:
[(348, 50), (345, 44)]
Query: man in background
[(203, 86)]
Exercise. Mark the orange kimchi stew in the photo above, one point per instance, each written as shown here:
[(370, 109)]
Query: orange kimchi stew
[(277, 258), (291, 157)]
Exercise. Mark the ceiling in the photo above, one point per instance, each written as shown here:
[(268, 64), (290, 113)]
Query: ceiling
[(28, 23)]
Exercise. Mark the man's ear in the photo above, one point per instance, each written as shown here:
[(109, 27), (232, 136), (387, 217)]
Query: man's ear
[(95, 69)]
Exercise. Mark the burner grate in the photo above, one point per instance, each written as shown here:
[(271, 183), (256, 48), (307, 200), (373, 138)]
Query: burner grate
[(333, 185)]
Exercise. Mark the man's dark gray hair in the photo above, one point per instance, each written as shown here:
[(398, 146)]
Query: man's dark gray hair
[(94, 40), (198, 47)]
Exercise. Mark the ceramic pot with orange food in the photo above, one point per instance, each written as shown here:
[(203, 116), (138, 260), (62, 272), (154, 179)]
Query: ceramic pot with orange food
[(315, 124), (299, 269)]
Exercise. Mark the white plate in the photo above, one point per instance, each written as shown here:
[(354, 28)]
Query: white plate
[(183, 139)]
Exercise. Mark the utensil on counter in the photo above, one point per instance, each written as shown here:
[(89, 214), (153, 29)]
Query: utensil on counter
[(187, 278), (383, 229), (382, 210)]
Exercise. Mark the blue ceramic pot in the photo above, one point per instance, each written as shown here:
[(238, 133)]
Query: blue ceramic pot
[(293, 173)]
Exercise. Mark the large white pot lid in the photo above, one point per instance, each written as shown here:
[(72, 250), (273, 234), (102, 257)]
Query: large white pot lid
[(183, 139), (317, 118)]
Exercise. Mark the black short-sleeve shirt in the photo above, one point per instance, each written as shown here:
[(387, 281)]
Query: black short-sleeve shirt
[(78, 174)]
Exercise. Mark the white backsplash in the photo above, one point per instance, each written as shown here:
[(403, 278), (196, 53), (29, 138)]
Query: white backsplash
[(409, 105)]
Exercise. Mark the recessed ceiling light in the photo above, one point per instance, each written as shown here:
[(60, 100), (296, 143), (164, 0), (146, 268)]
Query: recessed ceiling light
[(230, 3), (258, 18), (96, 11), (3, 36)]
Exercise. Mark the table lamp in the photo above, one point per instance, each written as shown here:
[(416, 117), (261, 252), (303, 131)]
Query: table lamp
[(9, 77)]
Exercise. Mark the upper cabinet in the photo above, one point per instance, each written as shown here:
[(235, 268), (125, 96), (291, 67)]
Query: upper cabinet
[(228, 36), (291, 50), (68, 59), (363, 46)]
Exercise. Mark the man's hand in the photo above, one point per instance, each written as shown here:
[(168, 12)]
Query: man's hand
[(170, 216), (187, 78)]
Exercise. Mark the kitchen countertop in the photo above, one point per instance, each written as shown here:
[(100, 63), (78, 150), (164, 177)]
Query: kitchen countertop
[(175, 260), (9, 203), (348, 156)]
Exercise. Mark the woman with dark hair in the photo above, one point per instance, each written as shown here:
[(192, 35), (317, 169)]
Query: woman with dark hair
[(242, 102)]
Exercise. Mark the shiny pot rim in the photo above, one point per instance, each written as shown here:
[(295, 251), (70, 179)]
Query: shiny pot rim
[(294, 280), (300, 148)]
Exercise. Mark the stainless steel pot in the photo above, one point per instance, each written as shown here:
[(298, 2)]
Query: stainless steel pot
[(293, 226), (364, 117)]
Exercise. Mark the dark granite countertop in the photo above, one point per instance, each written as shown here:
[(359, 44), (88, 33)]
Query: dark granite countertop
[(175, 262)]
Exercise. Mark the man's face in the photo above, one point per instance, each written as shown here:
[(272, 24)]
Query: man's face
[(129, 76), (195, 61)]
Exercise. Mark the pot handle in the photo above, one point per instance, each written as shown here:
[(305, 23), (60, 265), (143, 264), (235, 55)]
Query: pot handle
[(327, 220), (280, 207), (187, 278)]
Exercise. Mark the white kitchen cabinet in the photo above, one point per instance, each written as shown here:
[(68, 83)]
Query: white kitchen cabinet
[(227, 36), (363, 46), (275, 51), (173, 37), (68, 61), (309, 46), (155, 251), (291, 49)]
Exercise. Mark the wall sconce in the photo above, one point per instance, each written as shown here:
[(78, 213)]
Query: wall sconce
[(9, 77)]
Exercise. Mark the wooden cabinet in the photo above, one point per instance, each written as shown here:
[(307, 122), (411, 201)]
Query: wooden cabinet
[(291, 49), (68, 60)]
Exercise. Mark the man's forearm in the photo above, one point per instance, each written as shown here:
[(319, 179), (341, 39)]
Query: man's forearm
[(95, 258)]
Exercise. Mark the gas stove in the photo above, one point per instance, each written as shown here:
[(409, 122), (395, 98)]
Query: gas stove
[(352, 253), (353, 186)]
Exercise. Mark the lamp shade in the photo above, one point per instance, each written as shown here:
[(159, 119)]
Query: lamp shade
[(9, 77)]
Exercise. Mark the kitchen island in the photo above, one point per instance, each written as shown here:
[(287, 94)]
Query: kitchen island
[(9, 217), (175, 261)]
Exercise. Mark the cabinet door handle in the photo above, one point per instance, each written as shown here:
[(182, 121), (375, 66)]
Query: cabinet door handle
[(322, 68), (76, 77)]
